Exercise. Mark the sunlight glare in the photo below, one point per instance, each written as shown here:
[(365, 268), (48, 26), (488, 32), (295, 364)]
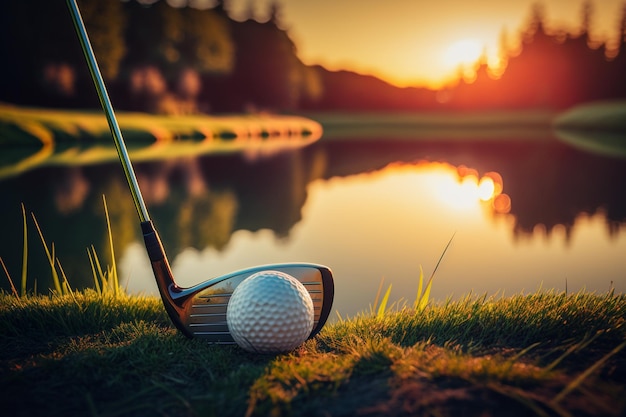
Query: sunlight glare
[(461, 194), (486, 188), (463, 188), (463, 52)]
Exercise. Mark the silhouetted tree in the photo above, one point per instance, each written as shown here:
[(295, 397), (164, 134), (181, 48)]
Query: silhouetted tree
[(268, 70), (587, 12), (552, 70)]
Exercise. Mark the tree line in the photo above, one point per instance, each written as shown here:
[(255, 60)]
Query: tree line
[(174, 60), (156, 58)]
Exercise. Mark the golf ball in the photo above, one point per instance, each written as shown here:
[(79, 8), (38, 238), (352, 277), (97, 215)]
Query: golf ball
[(270, 312)]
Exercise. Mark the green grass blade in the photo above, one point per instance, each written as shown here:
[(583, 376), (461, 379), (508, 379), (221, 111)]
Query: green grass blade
[(67, 289), (96, 281), (426, 295), (100, 275), (420, 285), (112, 281), (383, 303), (380, 290), (103, 278), (24, 253), (6, 271), (441, 257), (113, 271), (55, 275), (339, 318), (422, 299)]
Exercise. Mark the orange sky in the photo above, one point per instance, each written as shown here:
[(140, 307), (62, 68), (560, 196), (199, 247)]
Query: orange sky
[(415, 42)]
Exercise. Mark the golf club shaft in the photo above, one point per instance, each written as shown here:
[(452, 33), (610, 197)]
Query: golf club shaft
[(108, 111), (160, 265)]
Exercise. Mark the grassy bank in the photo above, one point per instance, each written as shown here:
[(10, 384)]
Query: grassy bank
[(32, 137), (539, 354), (20, 125)]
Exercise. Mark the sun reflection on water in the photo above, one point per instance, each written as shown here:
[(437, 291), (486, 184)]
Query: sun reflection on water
[(462, 188)]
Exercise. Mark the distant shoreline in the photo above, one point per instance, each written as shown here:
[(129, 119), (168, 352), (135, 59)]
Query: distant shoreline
[(607, 116), (461, 125), (599, 128)]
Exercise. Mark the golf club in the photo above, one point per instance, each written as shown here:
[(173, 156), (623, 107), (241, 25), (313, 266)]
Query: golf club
[(198, 311)]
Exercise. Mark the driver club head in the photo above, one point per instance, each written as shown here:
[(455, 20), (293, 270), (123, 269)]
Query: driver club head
[(200, 311)]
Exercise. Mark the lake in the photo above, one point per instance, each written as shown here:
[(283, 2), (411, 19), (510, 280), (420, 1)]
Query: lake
[(527, 214)]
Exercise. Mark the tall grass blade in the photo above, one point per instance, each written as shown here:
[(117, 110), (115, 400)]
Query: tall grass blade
[(113, 270), (339, 318), (422, 300), (380, 290), (96, 281), (103, 278), (24, 253), (420, 285), (6, 271), (105, 282), (55, 275), (383, 303), (66, 284), (111, 281), (441, 257)]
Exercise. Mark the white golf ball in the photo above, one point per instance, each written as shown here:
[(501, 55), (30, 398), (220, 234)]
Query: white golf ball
[(270, 312)]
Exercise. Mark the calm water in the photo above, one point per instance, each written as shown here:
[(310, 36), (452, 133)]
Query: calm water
[(526, 214)]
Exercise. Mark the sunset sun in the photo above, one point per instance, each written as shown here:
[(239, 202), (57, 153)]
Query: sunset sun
[(463, 52)]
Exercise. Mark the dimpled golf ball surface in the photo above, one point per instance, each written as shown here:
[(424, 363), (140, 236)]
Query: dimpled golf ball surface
[(270, 312)]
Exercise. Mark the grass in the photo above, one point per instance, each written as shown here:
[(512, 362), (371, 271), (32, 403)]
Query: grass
[(115, 355), (106, 280)]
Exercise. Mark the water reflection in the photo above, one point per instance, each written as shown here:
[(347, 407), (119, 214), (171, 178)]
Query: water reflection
[(462, 187), (525, 211)]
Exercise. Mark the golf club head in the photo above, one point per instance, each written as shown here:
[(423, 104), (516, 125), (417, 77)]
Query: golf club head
[(200, 311)]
